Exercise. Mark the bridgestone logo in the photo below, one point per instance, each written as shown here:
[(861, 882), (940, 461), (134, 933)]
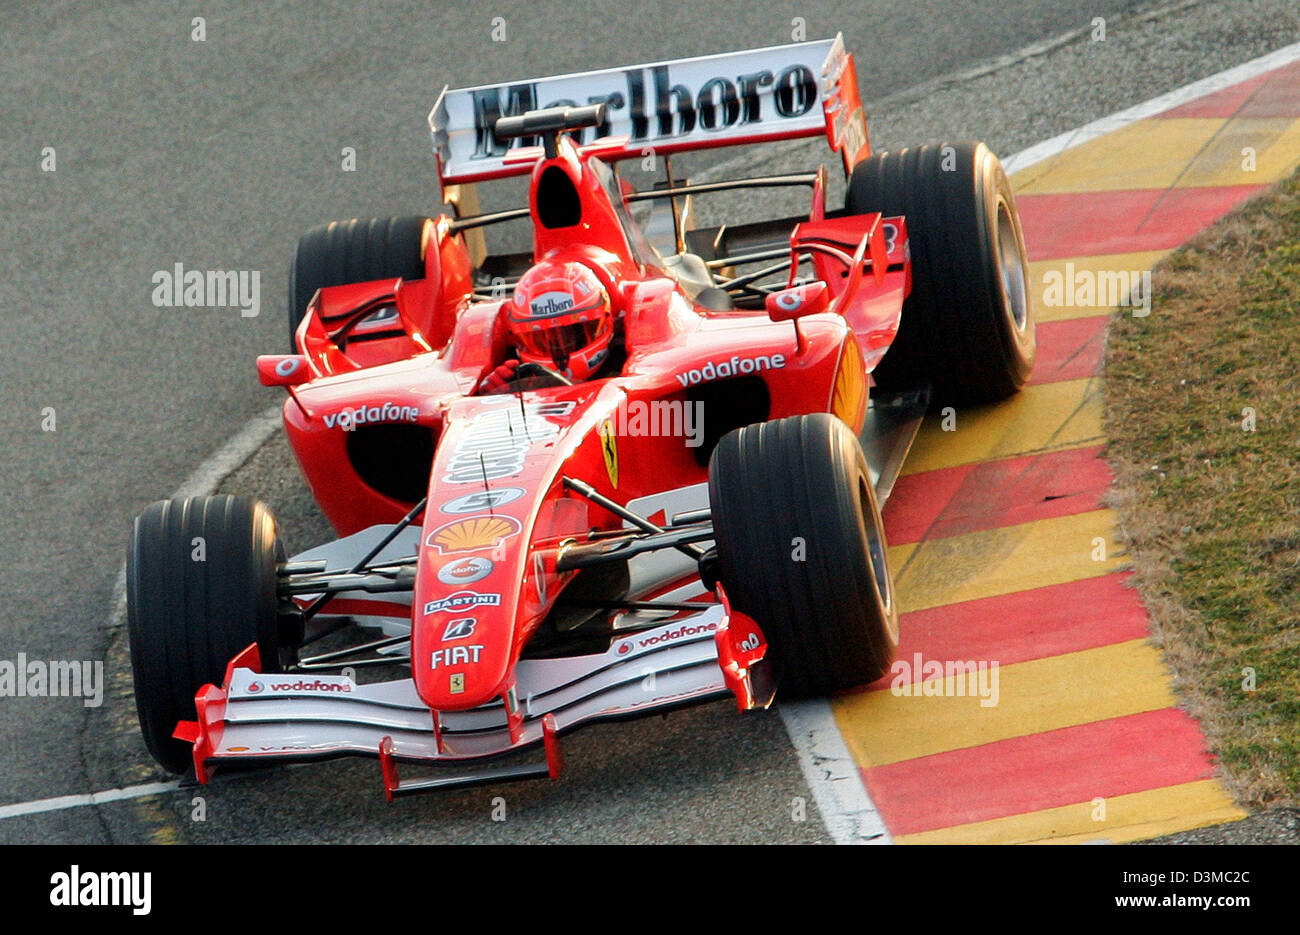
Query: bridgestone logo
[(495, 444)]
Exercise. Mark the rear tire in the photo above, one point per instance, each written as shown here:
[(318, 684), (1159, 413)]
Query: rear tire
[(358, 250), (201, 587), (967, 327), (801, 549)]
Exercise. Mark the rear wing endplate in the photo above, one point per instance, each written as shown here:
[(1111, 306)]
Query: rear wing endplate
[(800, 90)]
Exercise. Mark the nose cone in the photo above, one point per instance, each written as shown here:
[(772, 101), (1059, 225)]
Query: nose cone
[(465, 608)]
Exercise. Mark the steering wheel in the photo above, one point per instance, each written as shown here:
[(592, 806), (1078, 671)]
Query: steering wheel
[(541, 373)]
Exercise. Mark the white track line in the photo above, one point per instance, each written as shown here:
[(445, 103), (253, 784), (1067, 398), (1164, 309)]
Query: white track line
[(1157, 105), (94, 798), (828, 767), (832, 774)]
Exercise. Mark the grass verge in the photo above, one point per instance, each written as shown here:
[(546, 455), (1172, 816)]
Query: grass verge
[(1203, 414)]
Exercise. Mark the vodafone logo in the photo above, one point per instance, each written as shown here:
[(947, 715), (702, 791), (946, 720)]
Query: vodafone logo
[(668, 636), (301, 685)]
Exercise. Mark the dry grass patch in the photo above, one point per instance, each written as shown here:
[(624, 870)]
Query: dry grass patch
[(1203, 413)]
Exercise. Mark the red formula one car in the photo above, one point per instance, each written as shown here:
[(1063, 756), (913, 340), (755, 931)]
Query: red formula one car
[(636, 467)]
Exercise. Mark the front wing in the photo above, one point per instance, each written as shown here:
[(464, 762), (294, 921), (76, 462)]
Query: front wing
[(257, 719)]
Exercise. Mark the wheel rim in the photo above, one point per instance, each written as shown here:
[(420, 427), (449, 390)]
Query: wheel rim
[(876, 554), (1011, 266)]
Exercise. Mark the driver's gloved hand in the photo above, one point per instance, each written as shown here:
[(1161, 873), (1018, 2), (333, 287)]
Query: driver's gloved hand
[(499, 379)]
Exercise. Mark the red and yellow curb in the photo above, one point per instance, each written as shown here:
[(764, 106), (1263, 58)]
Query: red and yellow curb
[(1051, 716)]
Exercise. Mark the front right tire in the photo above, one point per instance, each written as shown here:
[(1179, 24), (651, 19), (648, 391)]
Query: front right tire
[(801, 550)]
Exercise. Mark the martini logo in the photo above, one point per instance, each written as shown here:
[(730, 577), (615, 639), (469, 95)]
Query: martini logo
[(482, 500), (465, 570), (462, 601), (472, 535), (495, 443)]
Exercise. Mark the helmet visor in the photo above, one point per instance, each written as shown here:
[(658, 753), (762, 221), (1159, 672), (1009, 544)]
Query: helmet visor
[(557, 342)]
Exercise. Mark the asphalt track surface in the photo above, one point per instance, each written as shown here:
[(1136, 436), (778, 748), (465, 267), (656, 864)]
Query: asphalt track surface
[(217, 155)]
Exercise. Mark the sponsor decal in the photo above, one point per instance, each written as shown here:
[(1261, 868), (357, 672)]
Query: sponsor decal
[(891, 236), (550, 304), (455, 656), (456, 684), (459, 628), (737, 366), (462, 600), (609, 450), (494, 445), (850, 391), (668, 636), (238, 749), (482, 500), (539, 576), (288, 366), (750, 642), (789, 300), (350, 418), (765, 91), (309, 686), (378, 320), (473, 534), (465, 570)]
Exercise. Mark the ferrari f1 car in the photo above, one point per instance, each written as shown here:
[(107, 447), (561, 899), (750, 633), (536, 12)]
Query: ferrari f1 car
[(635, 467)]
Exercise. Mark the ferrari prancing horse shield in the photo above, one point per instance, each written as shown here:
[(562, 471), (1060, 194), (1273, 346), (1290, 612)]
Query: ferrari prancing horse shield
[(609, 448)]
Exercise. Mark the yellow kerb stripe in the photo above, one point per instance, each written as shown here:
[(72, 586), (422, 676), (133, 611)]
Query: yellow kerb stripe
[(1132, 817), (1047, 417), (1032, 697)]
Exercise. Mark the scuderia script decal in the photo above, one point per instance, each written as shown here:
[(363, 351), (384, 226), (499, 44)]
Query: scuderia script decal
[(495, 443)]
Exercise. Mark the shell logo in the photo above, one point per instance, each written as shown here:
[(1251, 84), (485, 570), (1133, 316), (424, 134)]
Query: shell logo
[(473, 534)]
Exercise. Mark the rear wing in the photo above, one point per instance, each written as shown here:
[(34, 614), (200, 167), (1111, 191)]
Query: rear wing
[(778, 93)]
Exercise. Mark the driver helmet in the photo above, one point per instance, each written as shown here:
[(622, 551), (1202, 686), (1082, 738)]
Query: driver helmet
[(560, 317)]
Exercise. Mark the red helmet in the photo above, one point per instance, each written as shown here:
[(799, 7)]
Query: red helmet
[(561, 317)]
